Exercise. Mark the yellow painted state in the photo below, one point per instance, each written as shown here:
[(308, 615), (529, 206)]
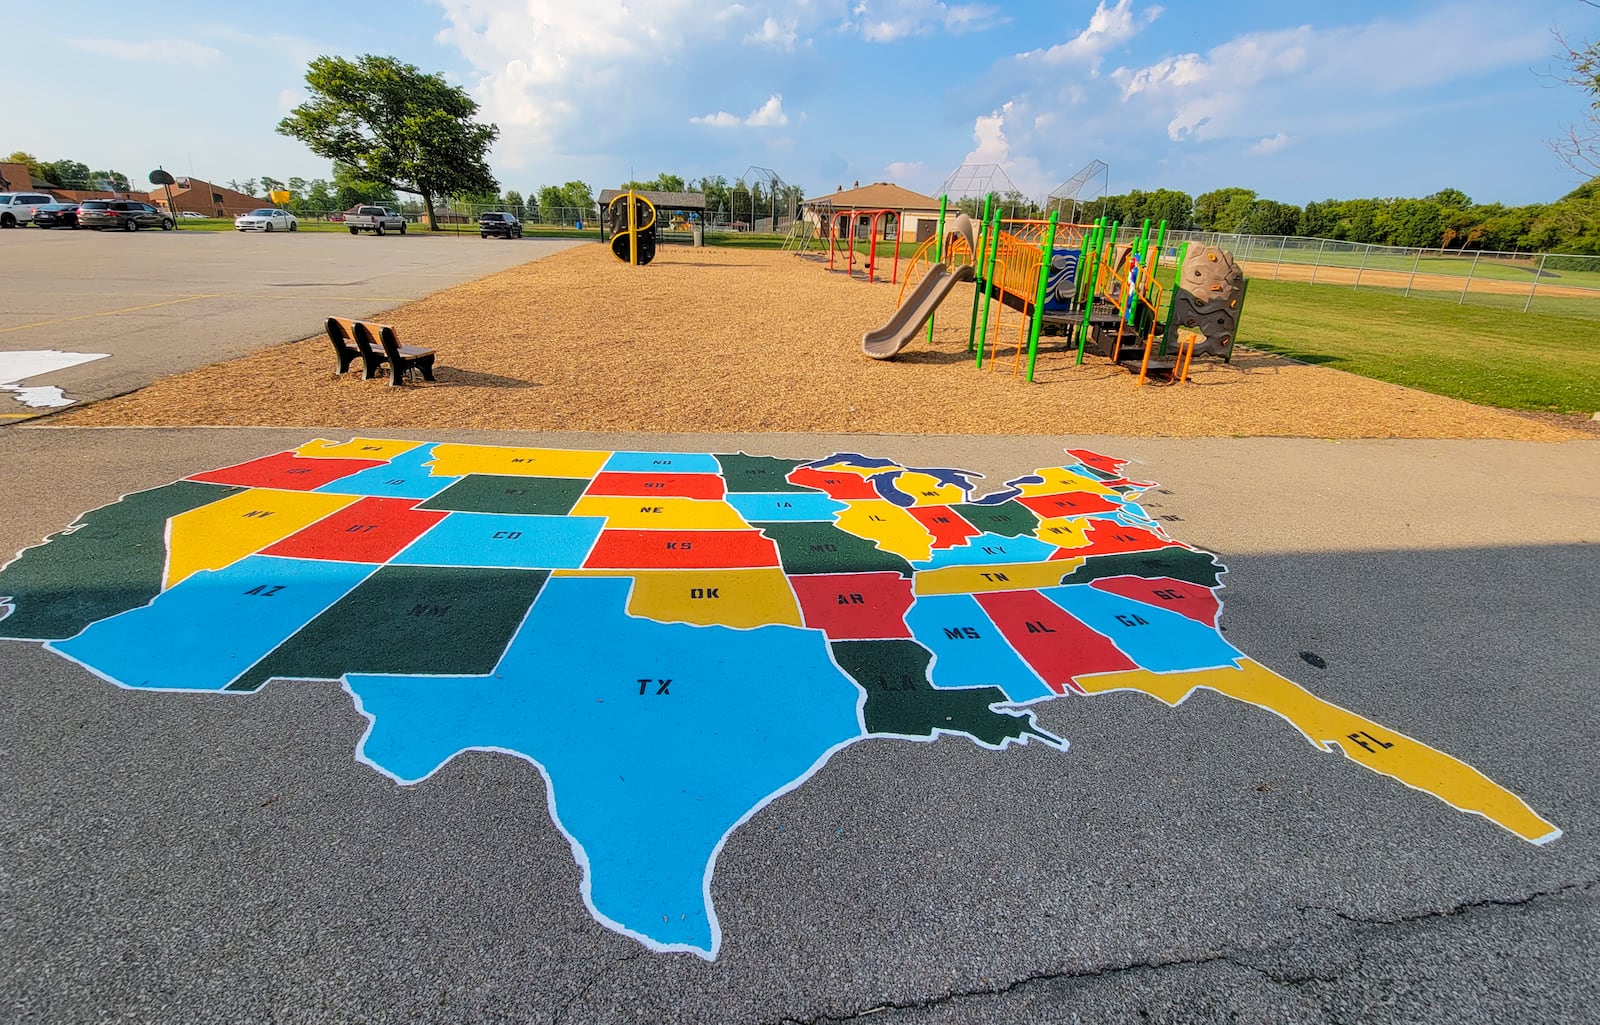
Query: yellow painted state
[(640, 513), (1006, 576), (739, 598), (888, 526), (1058, 479), (1064, 531), (356, 448), (1331, 728), (860, 471), (460, 460), (222, 533), (926, 489)]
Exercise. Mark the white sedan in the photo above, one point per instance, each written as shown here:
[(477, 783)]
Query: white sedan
[(267, 219)]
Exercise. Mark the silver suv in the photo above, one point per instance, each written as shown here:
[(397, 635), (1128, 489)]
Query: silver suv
[(17, 208)]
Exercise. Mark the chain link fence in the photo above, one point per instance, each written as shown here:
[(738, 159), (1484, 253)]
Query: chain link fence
[(1556, 283)]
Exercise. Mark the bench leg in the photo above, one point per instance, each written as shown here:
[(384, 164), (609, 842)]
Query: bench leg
[(397, 375), (426, 366), (370, 367), (345, 359)]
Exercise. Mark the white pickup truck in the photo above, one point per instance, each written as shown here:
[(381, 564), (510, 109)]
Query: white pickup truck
[(375, 219)]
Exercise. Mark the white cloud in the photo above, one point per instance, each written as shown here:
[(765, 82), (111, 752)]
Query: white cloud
[(1107, 29), (156, 51), (773, 33), (1238, 87), (288, 99), (767, 115), (906, 169), (884, 21), (992, 147), (1270, 144)]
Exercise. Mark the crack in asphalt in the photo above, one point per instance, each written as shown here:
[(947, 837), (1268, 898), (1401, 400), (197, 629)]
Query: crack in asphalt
[(1464, 907), (1237, 960), (600, 973)]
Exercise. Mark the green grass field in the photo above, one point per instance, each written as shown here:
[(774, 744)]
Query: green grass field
[(1534, 361)]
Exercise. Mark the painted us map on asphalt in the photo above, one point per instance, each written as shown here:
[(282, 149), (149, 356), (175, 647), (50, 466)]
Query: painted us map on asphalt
[(673, 639)]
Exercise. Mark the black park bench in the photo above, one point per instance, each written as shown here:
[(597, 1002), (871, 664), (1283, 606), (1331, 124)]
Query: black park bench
[(375, 345)]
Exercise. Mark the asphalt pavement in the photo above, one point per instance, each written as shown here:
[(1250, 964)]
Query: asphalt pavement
[(161, 302), (196, 858)]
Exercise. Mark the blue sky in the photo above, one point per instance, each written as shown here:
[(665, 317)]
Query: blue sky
[(1297, 101)]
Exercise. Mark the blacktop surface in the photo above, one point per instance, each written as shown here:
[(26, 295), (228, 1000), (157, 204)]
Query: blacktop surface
[(161, 302), (197, 858), (180, 857)]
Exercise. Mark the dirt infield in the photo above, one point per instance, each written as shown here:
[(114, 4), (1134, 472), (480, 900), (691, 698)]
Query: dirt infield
[(731, 340)]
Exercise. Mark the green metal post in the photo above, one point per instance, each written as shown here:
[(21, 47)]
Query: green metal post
[(977, 268), (988, 286), (1108, 245), (1047, 256), (938, 251)]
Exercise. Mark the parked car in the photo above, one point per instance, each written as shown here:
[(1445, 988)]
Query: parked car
[(190, 213), (127, 214), (17, 208), (56, 215), (267, 219), (375, 219), (500, 224)]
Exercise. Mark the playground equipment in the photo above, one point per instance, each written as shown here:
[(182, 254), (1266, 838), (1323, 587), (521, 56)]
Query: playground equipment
[(844, 231), (1072, 280), (632, 220), (932, 287)]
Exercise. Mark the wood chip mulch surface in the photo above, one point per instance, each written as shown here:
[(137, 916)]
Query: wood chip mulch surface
[(729, 340)]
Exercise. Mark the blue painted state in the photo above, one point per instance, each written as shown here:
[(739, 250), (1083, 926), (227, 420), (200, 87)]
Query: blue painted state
[(853, 459), (781, 506), (404, 476), (662, 462), (988, 549), (944, 624), (209, 628), (646, 784), (1165, 642), (504, 540)]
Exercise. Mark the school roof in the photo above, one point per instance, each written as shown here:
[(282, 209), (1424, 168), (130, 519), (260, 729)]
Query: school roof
[(661, 200), (877, 196)]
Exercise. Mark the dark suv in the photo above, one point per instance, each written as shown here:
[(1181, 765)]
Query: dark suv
[(127, 214), (501, 224)]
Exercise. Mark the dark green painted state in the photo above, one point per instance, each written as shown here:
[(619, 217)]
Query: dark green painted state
[(1008, 519), (112, 560), (409, 620), (759, 473), (1178, 563), (900, 699), (824, 548), (517, 496)]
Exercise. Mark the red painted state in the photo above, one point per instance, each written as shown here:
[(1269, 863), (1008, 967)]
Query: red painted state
[(682, 549), (1108, 537), (287, 472), (371, 530), (1088, 457), (1068, 503), (843, 486), (948, 527), (657, 485), (855, 606), (1057, 645), (1186, 599)]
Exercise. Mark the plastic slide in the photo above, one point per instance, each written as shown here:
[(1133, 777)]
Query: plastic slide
[(889, 339)]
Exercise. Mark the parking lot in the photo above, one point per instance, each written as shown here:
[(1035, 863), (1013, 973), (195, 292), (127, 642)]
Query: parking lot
[(157, 303)]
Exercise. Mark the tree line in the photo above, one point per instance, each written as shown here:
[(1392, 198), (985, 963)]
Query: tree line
[(69, 174)]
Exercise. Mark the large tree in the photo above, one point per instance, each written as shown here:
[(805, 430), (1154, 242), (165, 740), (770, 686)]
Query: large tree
[(1579, 149), (395, 126)]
